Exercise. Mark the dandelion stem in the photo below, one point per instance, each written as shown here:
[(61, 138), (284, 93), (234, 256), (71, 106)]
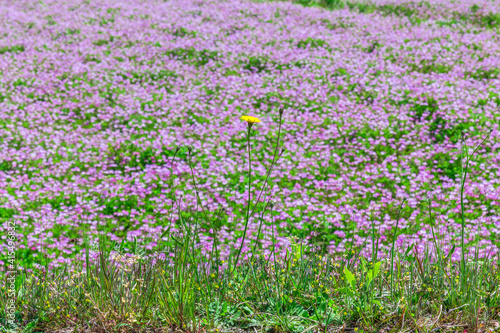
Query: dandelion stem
[(248, 205)]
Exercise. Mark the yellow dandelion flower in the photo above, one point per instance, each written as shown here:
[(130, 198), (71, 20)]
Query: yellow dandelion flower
[(250, 120)]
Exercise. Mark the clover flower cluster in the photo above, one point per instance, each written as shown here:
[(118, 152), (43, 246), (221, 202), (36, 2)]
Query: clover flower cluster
[(95, 96)]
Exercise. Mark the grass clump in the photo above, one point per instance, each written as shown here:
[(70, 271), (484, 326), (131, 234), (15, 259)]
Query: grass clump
[(187, 291)]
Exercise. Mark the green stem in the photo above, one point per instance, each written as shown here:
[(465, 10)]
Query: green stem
[(209, 220), (463, 177), (393, 242), (260, 227), (462, 184), (248, 205)]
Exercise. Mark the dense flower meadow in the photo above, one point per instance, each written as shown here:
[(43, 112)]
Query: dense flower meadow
[(96, 96)]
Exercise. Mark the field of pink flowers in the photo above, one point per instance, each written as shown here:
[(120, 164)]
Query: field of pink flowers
[(95, 96)]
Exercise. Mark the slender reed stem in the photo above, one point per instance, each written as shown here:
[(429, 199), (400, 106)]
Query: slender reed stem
[(393, 242)]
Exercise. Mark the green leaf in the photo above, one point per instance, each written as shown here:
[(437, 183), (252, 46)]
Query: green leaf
[(224, 308), (247, 310), (372, 273), (316, 317), (349, 277), (346, 291), (322, 306), (450, 252), (409, 249)]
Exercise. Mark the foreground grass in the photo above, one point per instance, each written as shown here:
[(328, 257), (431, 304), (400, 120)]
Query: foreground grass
[(125, 292)]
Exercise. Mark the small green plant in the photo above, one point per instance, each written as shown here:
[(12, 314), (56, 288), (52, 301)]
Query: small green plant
[(177, 304)]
